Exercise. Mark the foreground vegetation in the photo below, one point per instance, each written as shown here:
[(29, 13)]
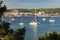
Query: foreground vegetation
[(50, 36), (5, 32), (9, 34)]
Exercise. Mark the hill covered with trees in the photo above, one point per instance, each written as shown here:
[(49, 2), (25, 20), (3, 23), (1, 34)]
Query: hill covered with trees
[(46, 10)]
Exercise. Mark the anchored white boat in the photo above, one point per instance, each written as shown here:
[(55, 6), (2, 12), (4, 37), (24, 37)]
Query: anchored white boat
[(21, 23), (52, 20), (34, 23), (43, 17), (12, 19)]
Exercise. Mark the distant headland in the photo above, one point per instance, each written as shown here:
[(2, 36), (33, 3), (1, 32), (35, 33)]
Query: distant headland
[(31, 12)]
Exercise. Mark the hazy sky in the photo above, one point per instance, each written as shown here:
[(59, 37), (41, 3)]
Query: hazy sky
[(32, 3)]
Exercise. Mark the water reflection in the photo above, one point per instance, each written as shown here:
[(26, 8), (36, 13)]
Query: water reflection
[(35, 32), (31, 33)]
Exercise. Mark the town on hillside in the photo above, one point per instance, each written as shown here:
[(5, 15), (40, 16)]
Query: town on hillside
[(31, 12)]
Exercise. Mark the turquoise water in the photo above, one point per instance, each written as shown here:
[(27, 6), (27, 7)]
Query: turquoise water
[(32, 33)]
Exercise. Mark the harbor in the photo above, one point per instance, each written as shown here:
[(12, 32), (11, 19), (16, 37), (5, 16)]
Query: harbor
[(45, 26), (29, 20)]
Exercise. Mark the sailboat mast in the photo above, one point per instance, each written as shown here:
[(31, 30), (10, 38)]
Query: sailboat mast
[(52, 14), (35, 15), (22, 18)]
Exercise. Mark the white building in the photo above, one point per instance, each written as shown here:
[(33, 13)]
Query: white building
[(40, 14)]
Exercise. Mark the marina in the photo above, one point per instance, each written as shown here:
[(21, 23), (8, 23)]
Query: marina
[(45, 26), (29, 20)]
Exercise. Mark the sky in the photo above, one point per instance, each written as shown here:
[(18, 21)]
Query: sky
[(32, 3)]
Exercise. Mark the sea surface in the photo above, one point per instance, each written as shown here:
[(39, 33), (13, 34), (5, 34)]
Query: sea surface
[(34, 32)]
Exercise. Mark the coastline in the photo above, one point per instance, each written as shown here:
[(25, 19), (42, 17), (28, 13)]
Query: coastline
[(31, 16)]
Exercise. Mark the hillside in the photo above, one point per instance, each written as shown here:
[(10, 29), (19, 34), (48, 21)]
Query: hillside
[(46, 10)]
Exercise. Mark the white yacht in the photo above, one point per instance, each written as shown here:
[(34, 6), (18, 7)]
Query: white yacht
[(12, 19), (34, 23), (21, 23), (43, 17), (52, 20), (18, 15)]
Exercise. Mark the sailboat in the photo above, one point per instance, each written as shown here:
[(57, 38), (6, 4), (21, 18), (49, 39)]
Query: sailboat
[(34, 23), (21, 23), (12, 19), (18, 15), (52, 20), (43, 17)]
